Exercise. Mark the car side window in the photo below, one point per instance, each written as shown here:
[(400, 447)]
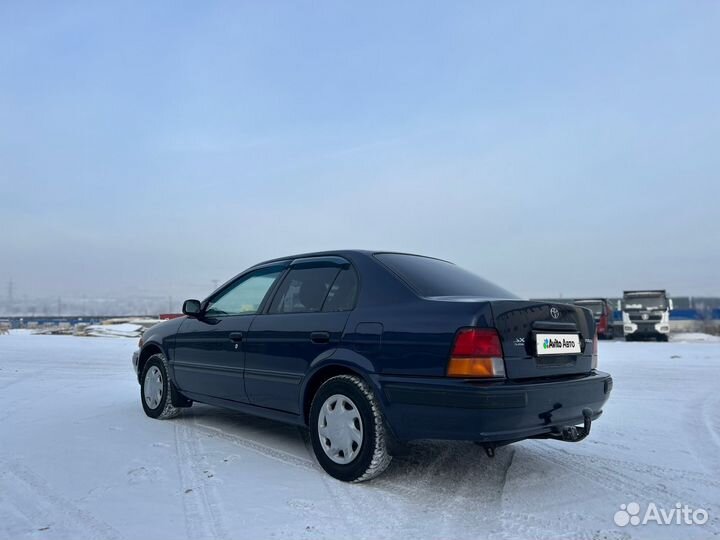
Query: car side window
[(304, 290), (343, 292), (245, 296)]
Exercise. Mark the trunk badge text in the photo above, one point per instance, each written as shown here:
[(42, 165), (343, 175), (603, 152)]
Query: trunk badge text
[(520, 342)]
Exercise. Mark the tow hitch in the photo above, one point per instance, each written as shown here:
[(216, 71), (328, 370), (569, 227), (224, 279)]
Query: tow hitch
[(559, 433), (572, 433)]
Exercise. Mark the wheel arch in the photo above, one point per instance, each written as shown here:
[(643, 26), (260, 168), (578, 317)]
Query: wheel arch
[(321, 374), (146, 352)]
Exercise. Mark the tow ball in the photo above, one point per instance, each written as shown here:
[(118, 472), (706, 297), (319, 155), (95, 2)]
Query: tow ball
[(573, 433)]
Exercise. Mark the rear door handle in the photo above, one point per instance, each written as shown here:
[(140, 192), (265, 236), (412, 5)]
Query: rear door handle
[(236, 336), (320, 337)]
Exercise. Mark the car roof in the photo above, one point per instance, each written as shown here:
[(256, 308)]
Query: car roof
[(341, 253)]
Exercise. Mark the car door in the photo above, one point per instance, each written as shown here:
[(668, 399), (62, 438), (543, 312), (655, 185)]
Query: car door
[(304, 321), (209, 349)]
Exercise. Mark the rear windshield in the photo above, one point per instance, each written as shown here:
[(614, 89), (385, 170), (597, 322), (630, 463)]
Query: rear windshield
[(433, 277)]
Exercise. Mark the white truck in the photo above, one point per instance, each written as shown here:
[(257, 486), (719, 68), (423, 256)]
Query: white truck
[(646, 315)]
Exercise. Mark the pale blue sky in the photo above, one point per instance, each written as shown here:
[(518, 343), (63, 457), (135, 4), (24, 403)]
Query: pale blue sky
[(553, 147)]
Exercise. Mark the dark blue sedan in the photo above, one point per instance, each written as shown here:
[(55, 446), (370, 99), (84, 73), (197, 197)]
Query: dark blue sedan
[(372, 349)]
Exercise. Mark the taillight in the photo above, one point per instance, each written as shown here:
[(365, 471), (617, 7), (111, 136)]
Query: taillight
[(477, 352), (595, 352), (603, 322)]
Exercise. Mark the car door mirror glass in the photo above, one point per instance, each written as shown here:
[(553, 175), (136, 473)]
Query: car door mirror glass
[(191, 308)]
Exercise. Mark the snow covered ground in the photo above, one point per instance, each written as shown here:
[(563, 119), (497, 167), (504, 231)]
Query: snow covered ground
[(80, 460)]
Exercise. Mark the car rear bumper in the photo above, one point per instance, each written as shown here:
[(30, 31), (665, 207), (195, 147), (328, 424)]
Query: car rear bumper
[(432, 408)]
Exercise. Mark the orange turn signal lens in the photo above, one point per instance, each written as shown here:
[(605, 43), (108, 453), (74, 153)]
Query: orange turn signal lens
[(476, 367)]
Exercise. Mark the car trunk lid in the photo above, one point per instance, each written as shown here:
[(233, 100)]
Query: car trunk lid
[(544, 339)]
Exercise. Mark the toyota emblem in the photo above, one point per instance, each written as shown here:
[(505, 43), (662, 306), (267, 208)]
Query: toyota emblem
[(554, 312)]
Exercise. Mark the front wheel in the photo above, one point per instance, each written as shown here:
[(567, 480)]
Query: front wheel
[(348, 431), (155, 389)]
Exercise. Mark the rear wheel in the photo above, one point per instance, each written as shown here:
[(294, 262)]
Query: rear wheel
[(156, 389), (348, 431)]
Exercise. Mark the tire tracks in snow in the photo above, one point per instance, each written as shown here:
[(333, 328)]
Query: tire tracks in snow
[(345, 508), (701, 430), (203, 508), (295, 461), (612, 474), (33, 498), (8, 382), (259, 448), (349, 498), (481, 486), (356, 501), (531, 527)]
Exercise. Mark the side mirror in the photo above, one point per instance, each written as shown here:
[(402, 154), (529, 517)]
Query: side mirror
[(670, 302), (191, 308)]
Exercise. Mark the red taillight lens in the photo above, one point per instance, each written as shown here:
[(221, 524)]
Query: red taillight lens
[(477, 352), (602, 323), (477, 342)]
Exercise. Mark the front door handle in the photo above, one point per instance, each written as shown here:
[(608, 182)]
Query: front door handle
[(320, 337), (236, 336)]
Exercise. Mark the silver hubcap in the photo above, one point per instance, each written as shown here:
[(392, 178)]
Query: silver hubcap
[(153, 387), (340, 429)]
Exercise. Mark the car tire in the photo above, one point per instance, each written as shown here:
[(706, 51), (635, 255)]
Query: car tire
[(360, 451), (156, 389)]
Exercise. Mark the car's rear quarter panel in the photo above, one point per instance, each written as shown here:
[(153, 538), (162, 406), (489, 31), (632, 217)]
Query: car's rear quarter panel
[(418, 335)]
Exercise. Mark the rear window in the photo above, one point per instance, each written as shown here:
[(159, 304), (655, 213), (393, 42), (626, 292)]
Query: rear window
[(433, 277), (304, 290), (341, 296)]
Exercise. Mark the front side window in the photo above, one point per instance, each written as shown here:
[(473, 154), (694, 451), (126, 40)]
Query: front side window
[(245, 296), (304, 290)]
